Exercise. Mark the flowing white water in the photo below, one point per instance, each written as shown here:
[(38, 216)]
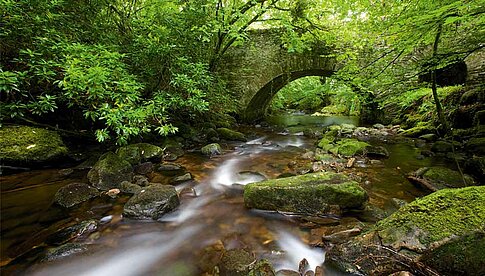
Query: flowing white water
[(136, 256), (296, 250)]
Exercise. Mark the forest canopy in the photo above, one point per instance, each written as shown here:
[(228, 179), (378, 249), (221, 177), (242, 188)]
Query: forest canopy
[(124, 68)]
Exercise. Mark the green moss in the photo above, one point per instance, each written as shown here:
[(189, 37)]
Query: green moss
[(325, 144), (443, 177), (440, 215), (212, 149), (351, 147), (23, 144), (461, 256), (419, 130), (310, 193), (476, 145), (228, 134), (137, 153)]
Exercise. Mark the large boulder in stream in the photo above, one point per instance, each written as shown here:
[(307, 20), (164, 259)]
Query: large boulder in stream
[(313, 194), (109, 172), (231, 135), (345, 147), (74, 193), (442, 233), (211, 149), (23, 145), (152, 202), (140, 152), (437, 178)]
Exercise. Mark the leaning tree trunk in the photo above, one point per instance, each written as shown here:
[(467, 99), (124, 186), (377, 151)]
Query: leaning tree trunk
[(439, 108)]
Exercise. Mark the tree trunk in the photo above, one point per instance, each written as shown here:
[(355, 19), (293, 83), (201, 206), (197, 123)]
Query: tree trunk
[(439, 108)]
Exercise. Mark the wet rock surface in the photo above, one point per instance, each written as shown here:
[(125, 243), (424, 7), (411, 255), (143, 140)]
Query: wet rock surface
[(236, 262), (140, 152), (211, 150), (74, 193), (437, 178), (231, 135), (109, 172), (445, 223), (77, 230), (317, 193), (64, 251), (152, 202)]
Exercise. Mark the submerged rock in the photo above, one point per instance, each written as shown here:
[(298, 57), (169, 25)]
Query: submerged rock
[(212, 149), (317, 193), (20, 145), (74, 193), (445, 225), (437, 178), (232, 135), (66, 234), (152, 202), (110, 171), (64, 251)]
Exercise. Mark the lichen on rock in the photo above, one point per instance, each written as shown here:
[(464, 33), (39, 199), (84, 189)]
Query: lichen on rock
[(29, 145)]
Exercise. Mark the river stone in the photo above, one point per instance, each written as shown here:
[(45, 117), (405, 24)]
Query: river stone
[(312, 194), (71, 232), (140, 152), (212, 149), (377, 152), (437, 178), (63, 251), (232, 135), (20, 145), (74, 193), (262, 268), (152, 202), (378, 126), (181, 178), (130, 188), (110, 171), (446, 224), (144, 168), (236, 262)]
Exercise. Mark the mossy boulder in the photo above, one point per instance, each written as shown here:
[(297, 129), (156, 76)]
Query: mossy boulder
[(152, 202), (442, 146), (437, 178), (419, 131), (236, 262), (232, 135), (23, 145), (345, 147), (110, 171), (427, 230), (74, 193), (137, 153), (316, 193), (349, 147), (476, 145), (212, 149)]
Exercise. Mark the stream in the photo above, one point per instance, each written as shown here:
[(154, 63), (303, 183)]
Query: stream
[(211, 215)]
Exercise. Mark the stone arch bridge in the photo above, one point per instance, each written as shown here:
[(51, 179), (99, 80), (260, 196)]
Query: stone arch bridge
[(256, 71)]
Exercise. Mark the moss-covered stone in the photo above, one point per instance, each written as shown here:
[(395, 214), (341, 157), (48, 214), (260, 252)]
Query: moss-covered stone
[(419, 130), (442, 146), (110, 171), (351, 147), (212, 149), (435, 229), (325, 144), (152, 202), (232, 135), (262, 268), (476, 145), (29, 145), (74, 193), (236, 262), (140, 152), (437, 178), (311, 193), (440, 215)]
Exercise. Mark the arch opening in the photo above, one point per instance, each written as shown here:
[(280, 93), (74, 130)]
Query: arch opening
[(259, 103), (311, 91)]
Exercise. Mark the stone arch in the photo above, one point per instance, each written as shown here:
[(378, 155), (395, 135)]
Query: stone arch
[(257, 70), (259, 103)]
